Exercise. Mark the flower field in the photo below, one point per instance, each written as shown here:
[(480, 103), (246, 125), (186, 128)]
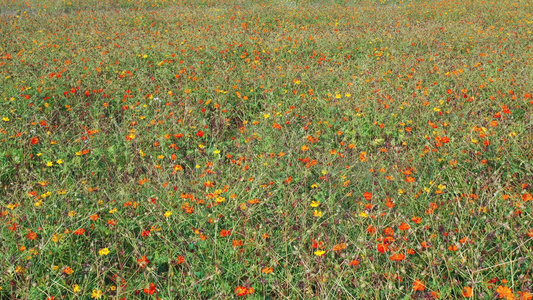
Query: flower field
[(270, 149)]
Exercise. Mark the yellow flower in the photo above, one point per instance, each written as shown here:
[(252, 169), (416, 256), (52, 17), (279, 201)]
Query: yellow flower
[(216, 151), (315, 203), (75, 288), (49, 164), (363, 214), (59, 161), (320, 252), (5, 119), (96, 294), (103, 251), (317, 214), (168, 214)]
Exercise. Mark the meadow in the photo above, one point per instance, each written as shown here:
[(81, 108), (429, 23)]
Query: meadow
[(269, 149)]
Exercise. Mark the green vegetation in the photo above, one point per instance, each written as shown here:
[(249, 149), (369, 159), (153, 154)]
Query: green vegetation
[(266, 149)]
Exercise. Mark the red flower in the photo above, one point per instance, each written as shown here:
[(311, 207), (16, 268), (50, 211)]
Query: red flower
[(79, 231), (34, 140), (225, 232), (382, 248), (31, 235), (143, 261), (243, 291), (150, 290), (180, 260), (200, 133), (240, 291)]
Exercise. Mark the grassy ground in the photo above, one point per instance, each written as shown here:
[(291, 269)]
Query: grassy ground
[(282, 149)]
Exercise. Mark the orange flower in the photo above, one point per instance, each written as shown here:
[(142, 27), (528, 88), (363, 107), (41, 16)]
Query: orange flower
[(525, 295), (143, 261), (267, 270), (237, 243), (382, 248), (410, 179), (417, 220), (388, 231), (367, 195), (180, 260), (354, 263), (467, 292), (34, 140), (371, 229), (79, 231), (527, 197), (31, 235), (225, 232), (418, 286), (505, 292), (339, 247), (404, 226), (397, 257), (453, 248), (241, 291), (362, 156), (150, 290)]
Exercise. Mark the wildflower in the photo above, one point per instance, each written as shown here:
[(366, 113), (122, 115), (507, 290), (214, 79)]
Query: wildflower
[(317, 214), (505, 292), (168, 213), (339, 247), (367, 195), (31, 235), (68, 270), (382, 247), (467, 292), (320, 252), (418, 286), (404, 226), (397, 257), (150, 290), (80, 231), (104, 251), (241, 291), (315, 203), (143, 262), (224, 232), (354, 263), (97, 294), (267, 270), (527, 197), (75, 288), (180, 259), (34, 140)]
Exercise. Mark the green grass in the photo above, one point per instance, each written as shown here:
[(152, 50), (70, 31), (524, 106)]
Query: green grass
[(216, 148)]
